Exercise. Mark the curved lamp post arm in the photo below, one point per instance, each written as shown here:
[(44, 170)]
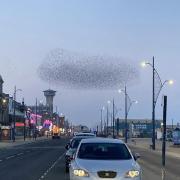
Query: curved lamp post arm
[(128, 98)]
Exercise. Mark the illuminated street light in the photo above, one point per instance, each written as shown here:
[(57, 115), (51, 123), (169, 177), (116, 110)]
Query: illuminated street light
[(170, 82), (4, 101), (144, 64), (127, 108), (156, 89)]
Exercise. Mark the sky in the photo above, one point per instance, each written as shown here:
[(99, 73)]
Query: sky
[(136, 30)]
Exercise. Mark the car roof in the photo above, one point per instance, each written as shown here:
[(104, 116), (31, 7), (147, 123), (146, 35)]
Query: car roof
[(81, 137), (102, 140), (85, 134)]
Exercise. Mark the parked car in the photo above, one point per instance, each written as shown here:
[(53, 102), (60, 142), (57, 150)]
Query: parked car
[(86, 134), (103, 158), (71, 149)]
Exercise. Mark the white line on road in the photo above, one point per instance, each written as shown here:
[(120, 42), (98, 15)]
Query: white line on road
[(1, 160), (51, 167), (20, 154), (10, 157)]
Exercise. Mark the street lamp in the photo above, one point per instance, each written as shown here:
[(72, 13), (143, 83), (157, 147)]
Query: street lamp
[(102, 109), (113, 114), (107, 121), (14, 113), (128, 105), (157, 86)]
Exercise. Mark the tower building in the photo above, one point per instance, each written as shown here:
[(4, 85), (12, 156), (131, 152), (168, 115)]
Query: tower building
[(49, 94)]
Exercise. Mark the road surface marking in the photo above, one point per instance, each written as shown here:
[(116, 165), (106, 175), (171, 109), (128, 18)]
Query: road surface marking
[(20, 154), (10, 157), (52, 166)]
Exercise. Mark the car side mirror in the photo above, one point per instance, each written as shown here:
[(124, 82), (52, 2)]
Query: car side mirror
[(67, 146), (136, 156)]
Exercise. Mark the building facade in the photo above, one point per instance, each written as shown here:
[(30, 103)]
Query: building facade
[(137, 127)]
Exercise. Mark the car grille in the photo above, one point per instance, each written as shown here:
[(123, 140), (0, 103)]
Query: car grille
[(107, 174)]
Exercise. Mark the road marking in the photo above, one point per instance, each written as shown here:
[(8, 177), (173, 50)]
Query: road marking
[(20, 154), (51, 167), (1, 160), (10, 157)]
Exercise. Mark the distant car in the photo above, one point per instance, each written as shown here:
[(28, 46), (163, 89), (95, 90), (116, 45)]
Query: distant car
[(75, 133), (103, 158), (86, 134), (71, 149)]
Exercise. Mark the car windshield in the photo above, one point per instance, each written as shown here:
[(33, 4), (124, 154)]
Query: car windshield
[(75, 143), (104, 151)]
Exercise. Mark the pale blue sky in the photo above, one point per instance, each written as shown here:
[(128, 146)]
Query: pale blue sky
[(134, 29)]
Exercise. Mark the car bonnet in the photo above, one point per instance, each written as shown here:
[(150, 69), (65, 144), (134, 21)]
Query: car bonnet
[(120, 166)]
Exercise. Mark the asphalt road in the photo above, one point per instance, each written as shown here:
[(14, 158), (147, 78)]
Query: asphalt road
[(45, 161), (36, 161)]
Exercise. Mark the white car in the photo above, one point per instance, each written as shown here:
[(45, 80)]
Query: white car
[(103, 158)]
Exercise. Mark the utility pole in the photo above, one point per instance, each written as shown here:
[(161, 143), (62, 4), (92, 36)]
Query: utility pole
[(126, 114), (153, 109), (117, 127), (101, 121), (107, 121), (113, 120), (14, 114), (23, 106), (36, 121), (164, 132)]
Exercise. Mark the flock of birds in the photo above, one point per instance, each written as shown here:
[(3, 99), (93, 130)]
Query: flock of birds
[(75, 70)]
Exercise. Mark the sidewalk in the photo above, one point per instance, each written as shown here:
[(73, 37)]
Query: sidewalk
[(171, 150), (20, 141)]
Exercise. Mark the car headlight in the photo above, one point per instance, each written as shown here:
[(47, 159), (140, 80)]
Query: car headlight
[(132, 174), (80, 172)]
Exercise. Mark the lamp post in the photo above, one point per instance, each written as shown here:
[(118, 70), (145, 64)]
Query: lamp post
[(102, 109), (107, 120), (23, 110), (127, 108), (112, 117), (35, 131), (157, 86), (113, 120), (14, 113)]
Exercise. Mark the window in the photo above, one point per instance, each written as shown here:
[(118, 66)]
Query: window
[(104, 151), (75, 143)]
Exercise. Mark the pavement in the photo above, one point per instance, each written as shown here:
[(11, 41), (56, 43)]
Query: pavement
[(20, 141), (144, 143)]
